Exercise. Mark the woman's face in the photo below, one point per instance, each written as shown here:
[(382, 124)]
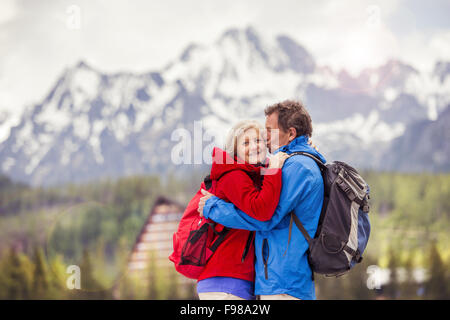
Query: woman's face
[(251, 146)]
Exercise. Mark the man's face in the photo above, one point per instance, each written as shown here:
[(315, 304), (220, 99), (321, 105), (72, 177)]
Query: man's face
[(276, 137)]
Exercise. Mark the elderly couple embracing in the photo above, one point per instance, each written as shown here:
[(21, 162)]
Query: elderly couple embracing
[(254, 196)]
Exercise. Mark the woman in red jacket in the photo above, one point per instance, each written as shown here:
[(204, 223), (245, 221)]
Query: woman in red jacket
[(246, 179)]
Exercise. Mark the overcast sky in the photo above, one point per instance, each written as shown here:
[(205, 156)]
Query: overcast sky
[(39, 38)]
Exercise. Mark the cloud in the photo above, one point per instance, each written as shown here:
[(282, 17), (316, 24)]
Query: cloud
[(41, 39), (440, 45), (423, 50), (8, 10), (351, 34)]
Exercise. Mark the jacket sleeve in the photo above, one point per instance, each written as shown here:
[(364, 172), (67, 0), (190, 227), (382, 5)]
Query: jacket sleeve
[(297, 183), (239, 189)]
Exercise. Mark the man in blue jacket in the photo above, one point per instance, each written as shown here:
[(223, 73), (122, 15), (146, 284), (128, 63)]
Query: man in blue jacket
[(282, 269)]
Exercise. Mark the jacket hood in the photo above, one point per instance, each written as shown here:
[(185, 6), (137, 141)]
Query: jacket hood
[(301, 144), (222, 163)]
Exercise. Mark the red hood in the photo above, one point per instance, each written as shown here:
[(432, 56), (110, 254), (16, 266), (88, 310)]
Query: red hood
[(222, 163)]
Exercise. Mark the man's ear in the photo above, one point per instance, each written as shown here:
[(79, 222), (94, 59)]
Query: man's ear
[(292, 133)]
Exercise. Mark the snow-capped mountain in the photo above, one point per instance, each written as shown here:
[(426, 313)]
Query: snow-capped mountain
[(94, 125), (425, 145)]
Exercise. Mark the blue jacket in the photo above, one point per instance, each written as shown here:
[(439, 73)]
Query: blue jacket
[(286, 269)]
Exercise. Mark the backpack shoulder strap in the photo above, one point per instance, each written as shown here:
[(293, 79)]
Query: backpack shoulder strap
[(220, 237), (321, 165), (300, 227), (294, 218), (305, 234), (208, 182)]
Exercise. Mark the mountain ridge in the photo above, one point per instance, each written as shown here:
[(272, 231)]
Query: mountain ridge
[(93, 124)]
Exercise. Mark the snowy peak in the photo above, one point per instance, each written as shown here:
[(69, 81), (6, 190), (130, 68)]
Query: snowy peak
[(277, 54), (394, 75), (425, 145), (299, 59)]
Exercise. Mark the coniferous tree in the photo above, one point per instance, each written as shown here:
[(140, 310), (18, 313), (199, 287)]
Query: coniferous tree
[(436, 285), (91, 288), (19, 271), (57, 279), (40, 285), (172, 285), (392, 288), (409, 287)]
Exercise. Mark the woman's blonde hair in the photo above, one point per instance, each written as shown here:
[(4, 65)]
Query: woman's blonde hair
[(236, 131)]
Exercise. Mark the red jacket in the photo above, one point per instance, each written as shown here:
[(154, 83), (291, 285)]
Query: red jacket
[(241, 184)]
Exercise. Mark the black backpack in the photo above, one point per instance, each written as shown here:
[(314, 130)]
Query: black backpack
[(344, 228)]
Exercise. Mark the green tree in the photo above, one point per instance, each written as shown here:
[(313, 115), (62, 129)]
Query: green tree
[(436, 285), (57, 280), (409, 287), (91, 288), (17, 275), (392, 288), (172, 285), (40, 286)]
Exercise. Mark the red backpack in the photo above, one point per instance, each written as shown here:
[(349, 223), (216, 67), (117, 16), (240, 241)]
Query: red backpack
[(197, 238)]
